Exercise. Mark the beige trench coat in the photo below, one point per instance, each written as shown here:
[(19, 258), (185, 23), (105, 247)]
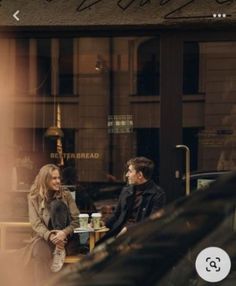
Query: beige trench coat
[(39, 218)]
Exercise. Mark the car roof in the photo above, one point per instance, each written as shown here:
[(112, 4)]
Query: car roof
[(214, 174)]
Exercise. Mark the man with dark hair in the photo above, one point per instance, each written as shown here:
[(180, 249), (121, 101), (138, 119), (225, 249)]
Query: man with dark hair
[(141, 164), (138, 200)]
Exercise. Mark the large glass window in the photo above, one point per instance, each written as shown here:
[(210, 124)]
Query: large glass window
[(109, 127), (22, 67), (148, 67), (209, 119), (148, 74), (34, 150), (44, 67), (191, 68), (66, 66), (51, 64)]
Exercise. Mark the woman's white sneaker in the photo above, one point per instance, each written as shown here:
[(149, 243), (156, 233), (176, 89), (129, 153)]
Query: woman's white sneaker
[(58, 259)]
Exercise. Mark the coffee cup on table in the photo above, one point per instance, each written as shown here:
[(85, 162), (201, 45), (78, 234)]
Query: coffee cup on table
[(83, 220), (96, 220)]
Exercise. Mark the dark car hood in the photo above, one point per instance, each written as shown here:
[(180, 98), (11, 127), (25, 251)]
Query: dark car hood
[(150, 249)]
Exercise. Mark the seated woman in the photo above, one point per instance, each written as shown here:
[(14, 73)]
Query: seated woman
[(53, 215)]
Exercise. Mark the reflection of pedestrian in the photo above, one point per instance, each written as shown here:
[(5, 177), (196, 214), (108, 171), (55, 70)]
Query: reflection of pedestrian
[(83, 200), (25, 172), (226, 161), (53, 215), (138, 200)]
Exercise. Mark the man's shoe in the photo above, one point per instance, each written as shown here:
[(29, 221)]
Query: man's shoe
[(58, 260)]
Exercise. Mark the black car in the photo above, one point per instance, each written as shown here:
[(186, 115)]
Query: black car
[(163, 249), (199, 180)]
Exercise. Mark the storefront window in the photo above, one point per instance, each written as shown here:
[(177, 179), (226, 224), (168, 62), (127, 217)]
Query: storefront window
[(44, 67), (33, 150), (213, 146), (65, 67), (104, 126), (148, 74), (22, 67), (191, 68)]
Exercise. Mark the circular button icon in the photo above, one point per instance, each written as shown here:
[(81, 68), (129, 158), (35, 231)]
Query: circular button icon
[(213, 264)]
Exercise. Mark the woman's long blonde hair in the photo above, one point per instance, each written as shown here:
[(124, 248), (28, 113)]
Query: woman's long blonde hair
[(40, 185)]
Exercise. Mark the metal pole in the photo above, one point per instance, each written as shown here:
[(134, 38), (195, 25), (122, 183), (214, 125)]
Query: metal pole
[(187, 167)]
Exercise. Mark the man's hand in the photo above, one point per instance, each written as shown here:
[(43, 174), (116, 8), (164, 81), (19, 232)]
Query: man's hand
[(124, 229)]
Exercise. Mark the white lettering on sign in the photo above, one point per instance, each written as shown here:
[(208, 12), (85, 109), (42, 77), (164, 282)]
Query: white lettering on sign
[(68, 156)]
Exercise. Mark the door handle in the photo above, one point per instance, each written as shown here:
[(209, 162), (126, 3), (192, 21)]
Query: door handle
[(187, 167)]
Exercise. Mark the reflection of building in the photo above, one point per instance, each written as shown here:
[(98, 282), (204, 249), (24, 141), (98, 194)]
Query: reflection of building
[(171, 84), (88, 97)]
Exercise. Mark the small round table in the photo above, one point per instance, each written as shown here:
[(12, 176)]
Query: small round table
[(94, 234)]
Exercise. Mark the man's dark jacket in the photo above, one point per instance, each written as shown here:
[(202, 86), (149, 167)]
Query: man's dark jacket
[(153, 199)]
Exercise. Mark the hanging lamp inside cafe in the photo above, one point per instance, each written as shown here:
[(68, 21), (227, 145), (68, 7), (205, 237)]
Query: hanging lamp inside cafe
[(54, 131)]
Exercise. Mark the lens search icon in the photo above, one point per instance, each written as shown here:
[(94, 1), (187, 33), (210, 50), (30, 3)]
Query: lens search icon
[(213, 264)]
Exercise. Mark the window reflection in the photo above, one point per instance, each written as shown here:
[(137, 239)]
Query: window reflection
[(191, 68), (66, 66), (22, 66), (148, 77), (44, 67), (34, 150), (104, 72)]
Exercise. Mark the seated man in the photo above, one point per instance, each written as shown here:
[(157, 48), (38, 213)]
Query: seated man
[(138, 200)]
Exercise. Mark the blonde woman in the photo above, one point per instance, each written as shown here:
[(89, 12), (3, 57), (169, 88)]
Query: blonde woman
[(53, 215)]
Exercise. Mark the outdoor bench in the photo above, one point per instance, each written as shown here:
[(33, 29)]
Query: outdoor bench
[(13, 226)]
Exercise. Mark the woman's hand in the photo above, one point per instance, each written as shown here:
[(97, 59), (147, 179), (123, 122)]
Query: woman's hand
[(60, 245), (58, 237)]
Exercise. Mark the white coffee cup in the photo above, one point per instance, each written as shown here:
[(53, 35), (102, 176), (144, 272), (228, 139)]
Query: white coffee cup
[(83, 220), (96, 220)]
